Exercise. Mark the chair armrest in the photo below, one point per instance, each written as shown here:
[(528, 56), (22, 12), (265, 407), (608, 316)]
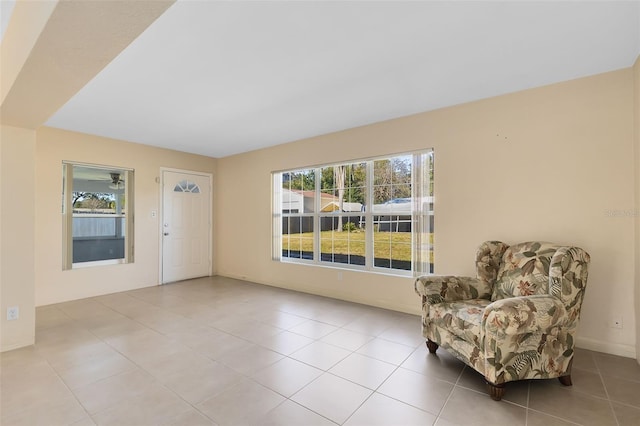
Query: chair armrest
[(438, 289), (526, 314), (568, 274)]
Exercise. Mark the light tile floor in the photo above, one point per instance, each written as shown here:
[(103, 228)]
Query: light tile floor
[(221, 351)]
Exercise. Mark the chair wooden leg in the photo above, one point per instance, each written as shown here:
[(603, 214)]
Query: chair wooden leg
[(566, 380), (496, 392), (432, 346)]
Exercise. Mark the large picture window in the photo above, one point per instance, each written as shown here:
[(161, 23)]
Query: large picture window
[(97, 218), (374, 214)]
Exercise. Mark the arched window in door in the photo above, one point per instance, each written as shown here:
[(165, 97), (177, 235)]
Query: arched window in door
[(187, 186)]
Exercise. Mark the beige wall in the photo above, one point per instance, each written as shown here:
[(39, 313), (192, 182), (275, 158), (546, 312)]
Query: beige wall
[(547, 163), (54, 146), (17, 200)]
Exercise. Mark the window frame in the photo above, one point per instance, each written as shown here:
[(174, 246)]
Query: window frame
[(420, 217), (68, 215)]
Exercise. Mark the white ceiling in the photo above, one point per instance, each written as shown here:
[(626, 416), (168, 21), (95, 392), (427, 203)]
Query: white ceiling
[(220, 78)]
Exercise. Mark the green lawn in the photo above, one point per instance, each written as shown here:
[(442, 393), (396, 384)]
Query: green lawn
[(387, 245)]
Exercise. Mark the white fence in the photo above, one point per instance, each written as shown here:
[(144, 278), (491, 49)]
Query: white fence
[(98, 226)]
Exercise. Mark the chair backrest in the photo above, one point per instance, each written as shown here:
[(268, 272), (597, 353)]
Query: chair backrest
[(488, 260), (524, 270)]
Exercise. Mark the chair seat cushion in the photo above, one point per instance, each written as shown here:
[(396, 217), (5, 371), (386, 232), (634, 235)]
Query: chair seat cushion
[(461, 318)]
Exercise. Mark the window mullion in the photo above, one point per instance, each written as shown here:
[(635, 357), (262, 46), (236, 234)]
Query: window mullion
[(369, 247), (316, 215)]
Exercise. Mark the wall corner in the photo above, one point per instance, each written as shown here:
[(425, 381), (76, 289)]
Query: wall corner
[(17, 236), (636, 145)]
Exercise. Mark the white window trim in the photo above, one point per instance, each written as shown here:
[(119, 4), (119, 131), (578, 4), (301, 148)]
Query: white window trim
[(94, 263)]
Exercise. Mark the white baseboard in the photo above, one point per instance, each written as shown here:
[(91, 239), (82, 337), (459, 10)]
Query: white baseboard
[(17, 345), (627, 351), (413, 309)]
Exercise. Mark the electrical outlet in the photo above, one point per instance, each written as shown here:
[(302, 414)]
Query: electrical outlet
[(615, 322), (13, 313)]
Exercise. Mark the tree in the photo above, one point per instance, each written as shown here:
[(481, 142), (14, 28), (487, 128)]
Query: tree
[(391, 179), (327, 180), (77, 196), (303, 180), (94, 203), (347, 182), (401, 172), (381, 181), (356, 182), (93, 200)]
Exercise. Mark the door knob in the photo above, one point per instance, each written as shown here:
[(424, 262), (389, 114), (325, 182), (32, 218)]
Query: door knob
[(166, 233)]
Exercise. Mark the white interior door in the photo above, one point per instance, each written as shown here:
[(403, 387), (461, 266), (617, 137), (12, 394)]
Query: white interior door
[(186, 226)]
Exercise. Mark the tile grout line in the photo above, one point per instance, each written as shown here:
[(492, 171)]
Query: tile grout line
[(80, 311), (327, 371), (375, 391), (556, 417), (250, 378), (453, 388), (75, 397), (55, 371), (155, 379), (606, 391)]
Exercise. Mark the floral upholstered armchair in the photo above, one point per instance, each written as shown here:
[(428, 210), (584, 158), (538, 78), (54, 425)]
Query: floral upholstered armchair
[(517, 319)]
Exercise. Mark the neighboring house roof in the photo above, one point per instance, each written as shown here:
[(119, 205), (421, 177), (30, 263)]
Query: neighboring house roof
[(333, 206)]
